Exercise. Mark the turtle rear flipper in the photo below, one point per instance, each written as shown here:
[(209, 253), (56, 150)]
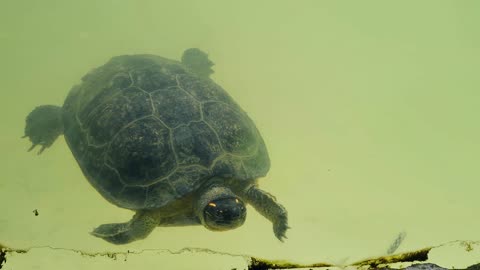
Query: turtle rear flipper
[(139, 227), (43, 125)]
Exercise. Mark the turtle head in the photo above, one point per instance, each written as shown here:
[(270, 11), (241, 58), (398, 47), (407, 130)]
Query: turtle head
[(224, 214), (198, 62), (220, 210)]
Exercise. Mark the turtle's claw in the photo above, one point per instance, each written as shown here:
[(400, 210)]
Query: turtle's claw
[(280, 229), (35, 145), (41, 149), (31, 147)]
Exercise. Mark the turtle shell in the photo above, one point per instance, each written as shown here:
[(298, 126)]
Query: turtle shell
[(146, 131)]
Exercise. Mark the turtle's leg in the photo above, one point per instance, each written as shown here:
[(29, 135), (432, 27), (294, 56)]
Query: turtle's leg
[(43, 125), (139, 227), (267, 205)]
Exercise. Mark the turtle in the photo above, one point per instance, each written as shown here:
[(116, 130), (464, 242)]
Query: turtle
[(159, 137)]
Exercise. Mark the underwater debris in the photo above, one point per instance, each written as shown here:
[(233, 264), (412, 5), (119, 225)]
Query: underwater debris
[(419, 255), (4, 251), (474, 267), (425, 266), (467, 245), (261, 264), (3, 257), (398, 241), (35, 212), (416, 260)]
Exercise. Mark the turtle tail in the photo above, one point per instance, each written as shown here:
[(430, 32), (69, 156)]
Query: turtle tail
[(43, 125)]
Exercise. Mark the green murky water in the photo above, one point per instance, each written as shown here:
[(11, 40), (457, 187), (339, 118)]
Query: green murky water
[(369, 110)]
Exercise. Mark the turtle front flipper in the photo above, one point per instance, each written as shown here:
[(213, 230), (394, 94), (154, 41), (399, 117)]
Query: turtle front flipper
[(43, 125), (139, 227), (267, 205)]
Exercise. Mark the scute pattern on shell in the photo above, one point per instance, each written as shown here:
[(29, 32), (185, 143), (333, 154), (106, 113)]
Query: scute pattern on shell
[(146, 131)]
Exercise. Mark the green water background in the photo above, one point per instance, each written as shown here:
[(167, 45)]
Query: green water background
[(369, 110)]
